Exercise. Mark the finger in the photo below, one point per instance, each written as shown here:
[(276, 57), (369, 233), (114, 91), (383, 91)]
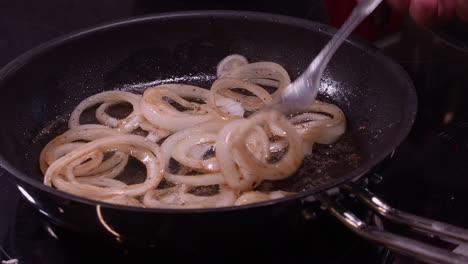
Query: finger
[(424, 11), (462, 9), (399, 5), (445, 9)]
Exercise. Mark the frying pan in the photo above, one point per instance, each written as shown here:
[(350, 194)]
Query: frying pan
[(47, 82)]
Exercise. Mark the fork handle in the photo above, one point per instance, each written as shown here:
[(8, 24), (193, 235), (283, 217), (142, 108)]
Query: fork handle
[(359, 13)]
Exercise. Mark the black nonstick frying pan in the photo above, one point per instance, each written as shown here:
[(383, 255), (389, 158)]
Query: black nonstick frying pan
[(46, 83)]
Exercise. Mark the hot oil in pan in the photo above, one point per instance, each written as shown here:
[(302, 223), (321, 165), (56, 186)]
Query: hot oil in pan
[(326, 163)]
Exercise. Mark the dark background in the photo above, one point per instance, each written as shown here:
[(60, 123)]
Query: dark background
[(27, 23)]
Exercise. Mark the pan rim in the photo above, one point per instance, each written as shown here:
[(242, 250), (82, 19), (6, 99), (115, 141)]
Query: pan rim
[(410, 101)]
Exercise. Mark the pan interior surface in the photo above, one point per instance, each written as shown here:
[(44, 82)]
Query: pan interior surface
[(41, 88)]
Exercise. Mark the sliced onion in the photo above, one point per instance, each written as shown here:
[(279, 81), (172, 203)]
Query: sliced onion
[(320, 128), (255, 197), (104, 118), (183, 147), (240, 168), (259, 72), (163, 115), (123, 200), (168, 147), (229, 63), (178, 197), (222, 86), (230, 106), (67, 142), (145, 151), (86, 159), (109, 97), (101, 182)]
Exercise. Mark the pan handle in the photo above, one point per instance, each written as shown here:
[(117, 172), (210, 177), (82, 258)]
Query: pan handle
[(445, 231), (395, 242)]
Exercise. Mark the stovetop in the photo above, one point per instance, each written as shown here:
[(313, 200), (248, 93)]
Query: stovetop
[(428, 175), (32, 239)]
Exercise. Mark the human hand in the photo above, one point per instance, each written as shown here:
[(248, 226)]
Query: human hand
[(432, 11)]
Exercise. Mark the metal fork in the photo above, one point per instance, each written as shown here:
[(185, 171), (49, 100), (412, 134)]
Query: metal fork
[(302, 92)]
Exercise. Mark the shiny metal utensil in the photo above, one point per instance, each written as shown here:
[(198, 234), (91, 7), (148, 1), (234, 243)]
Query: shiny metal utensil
[(304, 89)]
